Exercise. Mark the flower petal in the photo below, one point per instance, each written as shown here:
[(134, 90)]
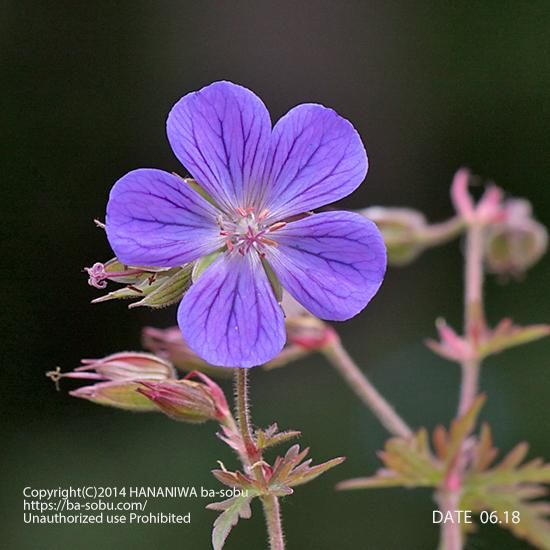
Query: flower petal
[(230, 316), (333, 263), (156, 219), (316, 157), (221, 135)]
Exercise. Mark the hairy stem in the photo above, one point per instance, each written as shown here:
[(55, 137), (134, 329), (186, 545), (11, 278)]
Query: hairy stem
[(243, 410), (252, 457), (272, 512), (361, 385)]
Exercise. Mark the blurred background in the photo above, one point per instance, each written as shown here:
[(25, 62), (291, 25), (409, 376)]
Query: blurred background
[(431, 86)]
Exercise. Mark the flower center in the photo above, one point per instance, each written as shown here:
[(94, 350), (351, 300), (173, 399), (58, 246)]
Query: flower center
[(247, 231)]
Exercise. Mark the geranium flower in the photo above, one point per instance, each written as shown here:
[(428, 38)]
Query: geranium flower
[(259, 185)]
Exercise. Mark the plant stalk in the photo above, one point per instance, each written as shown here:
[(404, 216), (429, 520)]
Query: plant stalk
[(243, 410), (252, 456), (474, 324), (361, 385), (272, 512)]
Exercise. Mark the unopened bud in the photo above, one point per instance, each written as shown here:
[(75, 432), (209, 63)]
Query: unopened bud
[(187, 400), (121, 395), (170, 344), (116, 379), (517, 243), (308, 332), (402, 229)]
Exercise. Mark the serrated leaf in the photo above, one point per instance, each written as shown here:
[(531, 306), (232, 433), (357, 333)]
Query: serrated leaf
[(408, 462), (462, 427), (306, 473), (534, 516), (534, 471), (292, 470), (169, 290), (508, 336), (485, 452), (272, 436), (234, 479), (232, 510)]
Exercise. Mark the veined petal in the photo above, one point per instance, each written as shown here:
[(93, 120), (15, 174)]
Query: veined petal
[(333, 263), (230, 316), (316, 157), (155, 218), (221, 135)]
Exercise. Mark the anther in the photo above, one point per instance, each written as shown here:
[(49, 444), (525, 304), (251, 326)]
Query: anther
[(275, 226)]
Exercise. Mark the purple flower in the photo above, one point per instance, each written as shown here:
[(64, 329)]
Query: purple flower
[(260, 182)]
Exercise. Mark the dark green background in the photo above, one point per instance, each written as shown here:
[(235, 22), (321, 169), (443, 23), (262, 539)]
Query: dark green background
[(431, 86)]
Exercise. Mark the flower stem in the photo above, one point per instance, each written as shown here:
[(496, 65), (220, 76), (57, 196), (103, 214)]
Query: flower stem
[(243, 409), (474, 325), (440, 233), (451, 534), (360, 384), (252, 456), (474, 317), (272, 514)]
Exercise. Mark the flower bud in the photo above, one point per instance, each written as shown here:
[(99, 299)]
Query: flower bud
[(401, 229), (169, 344), (187, 400), (518, 242), (121, 395), (116, 379)]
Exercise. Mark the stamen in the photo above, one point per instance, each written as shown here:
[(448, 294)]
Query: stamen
[(276, 226), (262, 215), (269, 241)]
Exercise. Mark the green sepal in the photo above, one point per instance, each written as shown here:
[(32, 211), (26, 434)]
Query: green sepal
[(200, 266), (170, 289)]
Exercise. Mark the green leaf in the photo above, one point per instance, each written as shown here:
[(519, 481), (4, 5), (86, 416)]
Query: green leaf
[(408, 462), (272, 436), (507, 336), (232, 510), (292, 470), (305, 473), (534, 515), (462, 427)]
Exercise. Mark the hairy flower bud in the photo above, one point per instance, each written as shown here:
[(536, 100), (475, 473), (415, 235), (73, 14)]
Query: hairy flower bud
[(116, 379), (517, 243), (187, 400)]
